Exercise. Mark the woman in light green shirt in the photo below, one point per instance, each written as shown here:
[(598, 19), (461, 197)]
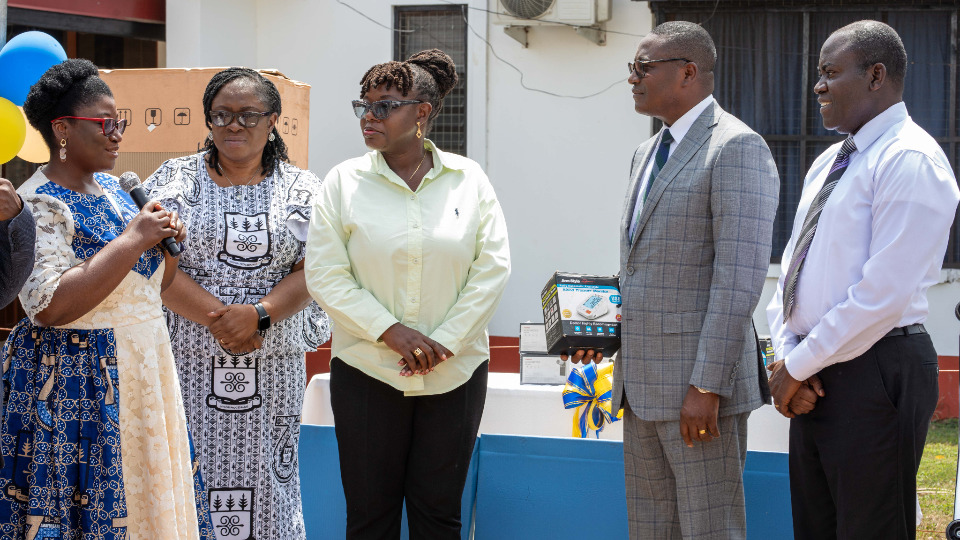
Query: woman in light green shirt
[(408, 254)]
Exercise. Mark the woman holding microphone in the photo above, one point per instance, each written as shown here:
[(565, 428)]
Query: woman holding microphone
[(95, 441)]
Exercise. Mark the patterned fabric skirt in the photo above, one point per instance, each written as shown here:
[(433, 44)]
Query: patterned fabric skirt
[(245, 415), (65, 474)]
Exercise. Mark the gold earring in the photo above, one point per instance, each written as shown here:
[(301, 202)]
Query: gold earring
[(419, 133), (63, 149)]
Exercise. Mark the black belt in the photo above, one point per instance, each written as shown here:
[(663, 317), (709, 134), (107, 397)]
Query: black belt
[(908, 330)]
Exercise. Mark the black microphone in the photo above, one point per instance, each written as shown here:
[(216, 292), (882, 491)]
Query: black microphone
[(130, 183)]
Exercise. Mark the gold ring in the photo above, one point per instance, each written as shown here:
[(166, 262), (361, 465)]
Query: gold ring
[(222, 342), (703, 432), (417, 352)]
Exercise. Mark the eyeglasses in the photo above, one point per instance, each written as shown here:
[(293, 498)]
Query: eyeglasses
[(245, 118), (380, 109), (107, 125), (640, 66)]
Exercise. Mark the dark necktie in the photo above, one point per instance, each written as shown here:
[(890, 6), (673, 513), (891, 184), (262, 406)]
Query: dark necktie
[(663, 152), (810, 225)]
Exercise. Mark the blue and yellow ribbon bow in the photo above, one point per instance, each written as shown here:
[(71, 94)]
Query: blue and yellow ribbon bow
[(589, 390)]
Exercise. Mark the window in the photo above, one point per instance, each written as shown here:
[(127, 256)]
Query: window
[(445, 28), (768, 53)]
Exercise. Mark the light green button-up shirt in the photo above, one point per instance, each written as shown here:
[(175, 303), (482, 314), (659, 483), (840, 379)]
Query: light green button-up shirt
[(435, 259)]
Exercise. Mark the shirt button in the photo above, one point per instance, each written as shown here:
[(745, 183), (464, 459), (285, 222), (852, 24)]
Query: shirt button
[(416, 225), (630, 270), (416, 261), (413, 197), (413, 300)]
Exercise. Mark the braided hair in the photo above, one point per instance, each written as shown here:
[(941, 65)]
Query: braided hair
[(61, 91), (275, 150), (430, 75)]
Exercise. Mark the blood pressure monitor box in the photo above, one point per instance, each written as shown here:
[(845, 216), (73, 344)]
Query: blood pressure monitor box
[(581, 312)]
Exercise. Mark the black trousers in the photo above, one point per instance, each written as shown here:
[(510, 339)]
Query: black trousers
[(854, 458), (395, 448)]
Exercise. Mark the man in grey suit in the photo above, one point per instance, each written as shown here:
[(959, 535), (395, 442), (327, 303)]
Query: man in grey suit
[(16, 243), (694, 251)]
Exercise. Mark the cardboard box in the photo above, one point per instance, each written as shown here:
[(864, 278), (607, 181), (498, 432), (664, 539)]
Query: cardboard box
[(164, 112), (581, 312), (542, 369), (536, 365)]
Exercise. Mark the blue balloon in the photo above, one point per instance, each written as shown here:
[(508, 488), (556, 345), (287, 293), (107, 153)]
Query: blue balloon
[(23, 60)]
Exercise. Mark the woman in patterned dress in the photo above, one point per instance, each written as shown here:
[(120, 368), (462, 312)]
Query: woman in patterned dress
[(94, 435), (239, 314)]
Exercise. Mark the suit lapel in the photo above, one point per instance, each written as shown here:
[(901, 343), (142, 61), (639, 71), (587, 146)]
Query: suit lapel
[(689, 146), (639, 165)]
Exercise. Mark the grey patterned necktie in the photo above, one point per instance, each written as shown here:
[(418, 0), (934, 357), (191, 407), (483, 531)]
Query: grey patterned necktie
[(810, 225)]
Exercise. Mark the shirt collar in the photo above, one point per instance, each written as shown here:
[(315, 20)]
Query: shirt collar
[(379, 165), (683, 124), (879, 124)]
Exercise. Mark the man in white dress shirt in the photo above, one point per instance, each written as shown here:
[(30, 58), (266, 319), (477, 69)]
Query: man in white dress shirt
[(868, 241)]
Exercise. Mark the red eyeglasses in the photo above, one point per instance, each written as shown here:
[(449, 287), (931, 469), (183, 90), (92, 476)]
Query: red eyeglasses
[(107, 125)]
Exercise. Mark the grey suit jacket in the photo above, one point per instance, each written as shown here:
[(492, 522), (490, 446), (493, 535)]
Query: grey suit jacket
[(16, 254), (692, 278), (17, 237)]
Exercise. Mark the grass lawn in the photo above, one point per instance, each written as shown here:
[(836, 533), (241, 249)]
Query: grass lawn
[(936, 479)]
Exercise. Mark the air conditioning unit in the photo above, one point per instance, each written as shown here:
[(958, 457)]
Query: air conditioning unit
[(545, 12)]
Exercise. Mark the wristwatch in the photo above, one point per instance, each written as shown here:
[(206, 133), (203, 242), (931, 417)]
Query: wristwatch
[(701, 390), (264, 322)]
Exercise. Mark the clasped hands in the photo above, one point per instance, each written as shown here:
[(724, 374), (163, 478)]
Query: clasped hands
[(234, 326), (790, 396), (419, 354)]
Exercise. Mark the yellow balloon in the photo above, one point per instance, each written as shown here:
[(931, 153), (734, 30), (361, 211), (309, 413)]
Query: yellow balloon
[(34, 149), (13, 130)]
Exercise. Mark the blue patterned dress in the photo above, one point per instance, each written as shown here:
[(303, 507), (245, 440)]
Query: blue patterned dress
[(94, 435)]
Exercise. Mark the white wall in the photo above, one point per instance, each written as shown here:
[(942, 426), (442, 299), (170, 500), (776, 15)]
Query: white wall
[(561, 165), (211, 33), (942, 323)]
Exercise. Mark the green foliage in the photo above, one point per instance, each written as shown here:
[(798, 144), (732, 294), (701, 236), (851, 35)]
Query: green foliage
[(936, 479)]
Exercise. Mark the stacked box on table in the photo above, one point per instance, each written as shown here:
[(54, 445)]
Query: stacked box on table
[(537, 366)]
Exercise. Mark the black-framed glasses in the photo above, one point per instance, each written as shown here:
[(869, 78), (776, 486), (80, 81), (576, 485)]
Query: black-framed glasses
[(640, 66), (245, 118), (380, 109), (107, 125)]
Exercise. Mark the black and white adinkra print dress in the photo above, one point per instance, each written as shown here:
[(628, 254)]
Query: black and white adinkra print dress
[(244, 411)]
